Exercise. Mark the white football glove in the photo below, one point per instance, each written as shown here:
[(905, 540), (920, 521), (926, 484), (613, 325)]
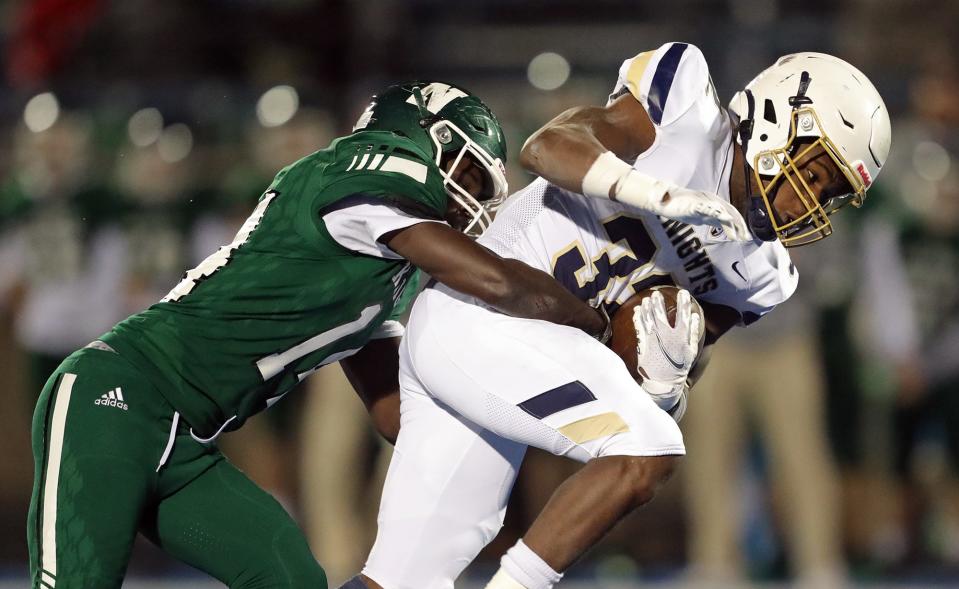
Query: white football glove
[(695, 207), (665, 354)]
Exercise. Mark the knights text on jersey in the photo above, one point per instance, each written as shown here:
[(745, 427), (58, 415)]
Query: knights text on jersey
[(289, 294), (607, 251)]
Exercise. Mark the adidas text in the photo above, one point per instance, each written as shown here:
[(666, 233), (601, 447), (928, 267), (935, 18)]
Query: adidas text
[(112, 398)]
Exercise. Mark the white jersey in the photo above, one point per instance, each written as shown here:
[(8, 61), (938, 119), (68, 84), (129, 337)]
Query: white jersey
[(607, 251)]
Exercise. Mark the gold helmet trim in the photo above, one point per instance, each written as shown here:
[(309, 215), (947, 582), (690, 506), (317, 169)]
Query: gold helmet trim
[(814, 224)]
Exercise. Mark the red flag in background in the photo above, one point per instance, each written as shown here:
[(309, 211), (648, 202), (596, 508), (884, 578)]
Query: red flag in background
[(44, 34)]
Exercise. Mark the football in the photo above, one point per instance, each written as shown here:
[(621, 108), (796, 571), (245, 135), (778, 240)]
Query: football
[(623, 341)]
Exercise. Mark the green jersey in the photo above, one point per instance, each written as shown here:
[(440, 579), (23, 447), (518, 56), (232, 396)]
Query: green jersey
[(304, 283)]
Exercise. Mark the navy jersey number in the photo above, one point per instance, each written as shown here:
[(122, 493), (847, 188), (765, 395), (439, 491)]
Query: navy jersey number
[(628, 232)]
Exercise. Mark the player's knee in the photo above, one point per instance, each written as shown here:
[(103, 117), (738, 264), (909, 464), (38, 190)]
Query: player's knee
[(298, 576), (642, 475), (303, 574), (289, 565)]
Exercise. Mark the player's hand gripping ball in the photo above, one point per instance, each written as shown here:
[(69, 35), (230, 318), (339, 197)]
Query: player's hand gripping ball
[(659, 334)]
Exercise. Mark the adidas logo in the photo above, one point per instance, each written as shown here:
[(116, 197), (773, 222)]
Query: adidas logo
[(112, 398)]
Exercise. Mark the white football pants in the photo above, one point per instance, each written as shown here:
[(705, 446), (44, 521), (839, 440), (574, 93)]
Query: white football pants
[(477, 388)]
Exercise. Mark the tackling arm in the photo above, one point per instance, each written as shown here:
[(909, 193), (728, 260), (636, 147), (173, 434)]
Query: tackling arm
[(508, 285), (373, 372)]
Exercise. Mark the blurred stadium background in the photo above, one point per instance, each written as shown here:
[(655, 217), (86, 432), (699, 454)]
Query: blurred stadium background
[(824, 443)]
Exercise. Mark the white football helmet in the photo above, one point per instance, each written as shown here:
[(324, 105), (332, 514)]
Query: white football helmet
[(802, 101)]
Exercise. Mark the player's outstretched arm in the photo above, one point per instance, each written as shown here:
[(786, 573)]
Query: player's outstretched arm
[(508, 285), (586, 150)]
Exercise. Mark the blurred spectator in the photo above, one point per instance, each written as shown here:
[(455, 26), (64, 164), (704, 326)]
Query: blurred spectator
[(769, 375), (343, 465), (68, 254), (911, 305), (157, 181)]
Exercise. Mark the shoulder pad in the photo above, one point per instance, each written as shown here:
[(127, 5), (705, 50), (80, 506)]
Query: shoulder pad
[(378, 151), (388, 166), (666, 81)]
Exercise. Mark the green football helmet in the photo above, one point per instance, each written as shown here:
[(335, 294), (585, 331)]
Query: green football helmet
[(450, 123)]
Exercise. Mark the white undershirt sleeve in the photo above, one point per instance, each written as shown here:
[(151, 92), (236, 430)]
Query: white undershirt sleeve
[(358, 222)]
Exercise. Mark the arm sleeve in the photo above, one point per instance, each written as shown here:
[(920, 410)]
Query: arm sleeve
[(666, 81), (357, 223)]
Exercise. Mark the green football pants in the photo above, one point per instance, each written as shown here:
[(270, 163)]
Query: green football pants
[(112, 458)]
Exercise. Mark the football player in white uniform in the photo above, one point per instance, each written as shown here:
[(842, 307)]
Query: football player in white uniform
[(610, 216)]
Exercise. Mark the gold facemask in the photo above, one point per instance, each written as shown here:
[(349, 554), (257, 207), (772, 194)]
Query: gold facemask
[(814, 224)]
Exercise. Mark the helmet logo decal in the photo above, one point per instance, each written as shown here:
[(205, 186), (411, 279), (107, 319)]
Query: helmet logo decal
[(364, 119), (437, 95), (864, 173)]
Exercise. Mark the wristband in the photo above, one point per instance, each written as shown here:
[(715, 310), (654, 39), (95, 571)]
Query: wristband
[(602, 176), (611, 178), (641, 190)]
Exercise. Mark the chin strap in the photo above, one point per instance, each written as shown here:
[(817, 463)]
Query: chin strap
[(756, 215)]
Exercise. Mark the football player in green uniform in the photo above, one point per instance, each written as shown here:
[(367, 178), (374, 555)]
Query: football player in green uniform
[(124, 430)]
